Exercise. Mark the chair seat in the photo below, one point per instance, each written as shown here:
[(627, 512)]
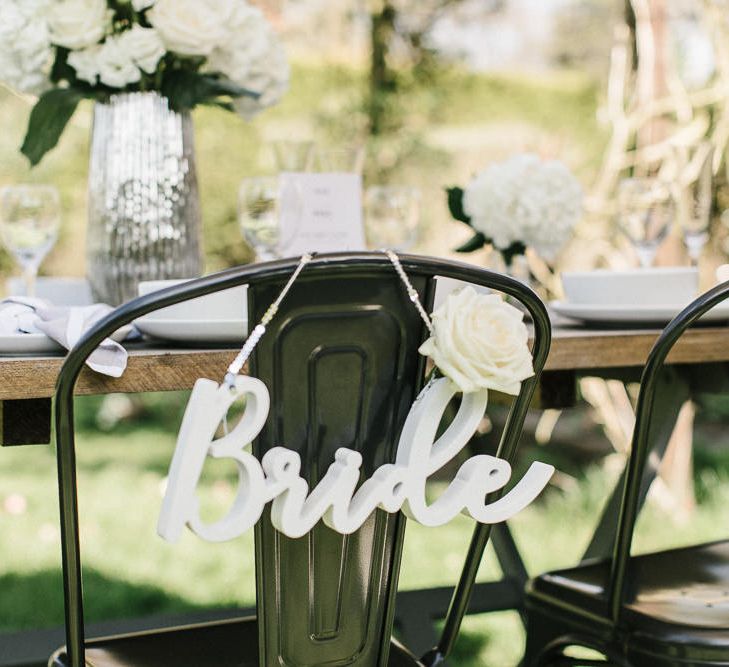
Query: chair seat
[(678, 593), (232, 643)]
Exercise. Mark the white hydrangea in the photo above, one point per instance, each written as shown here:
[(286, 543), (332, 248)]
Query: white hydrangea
[(26, 54), (525, 199), (253, 58)]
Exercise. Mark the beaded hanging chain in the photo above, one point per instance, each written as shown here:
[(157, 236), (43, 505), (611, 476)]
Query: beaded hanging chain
[(252, 340), (412, 293)]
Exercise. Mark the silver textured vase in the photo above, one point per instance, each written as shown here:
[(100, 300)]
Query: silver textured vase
[(144, 208)]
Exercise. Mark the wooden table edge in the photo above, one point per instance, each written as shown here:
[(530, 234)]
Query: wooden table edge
[(170, 369)]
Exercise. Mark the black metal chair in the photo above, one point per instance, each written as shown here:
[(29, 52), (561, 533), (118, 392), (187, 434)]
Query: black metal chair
[(341, 363), (661, 609)]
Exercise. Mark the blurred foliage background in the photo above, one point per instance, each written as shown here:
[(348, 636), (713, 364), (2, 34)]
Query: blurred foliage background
[(426, 119)]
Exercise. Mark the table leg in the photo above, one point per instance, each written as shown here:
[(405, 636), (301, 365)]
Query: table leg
[(673, 391), (678, 496), (510, 560)]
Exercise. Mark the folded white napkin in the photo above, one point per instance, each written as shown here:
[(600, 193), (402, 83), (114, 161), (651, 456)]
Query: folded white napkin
[(65, 325)]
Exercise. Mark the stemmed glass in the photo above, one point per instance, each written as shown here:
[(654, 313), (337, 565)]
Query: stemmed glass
[(343, 160), (258, 206), (30, 216), (695, 203), (293, 156), (644, 212), (392, 216)]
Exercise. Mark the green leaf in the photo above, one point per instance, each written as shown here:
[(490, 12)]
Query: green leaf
[(516, 248), (48, 119), (221, 104), (455, 205), (478, 240), (185, 89)]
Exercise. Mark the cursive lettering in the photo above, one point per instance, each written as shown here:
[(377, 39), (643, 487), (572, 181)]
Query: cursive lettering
[(336, 500)]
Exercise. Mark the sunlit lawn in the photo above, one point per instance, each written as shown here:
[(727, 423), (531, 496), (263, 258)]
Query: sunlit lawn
[(131, 572)]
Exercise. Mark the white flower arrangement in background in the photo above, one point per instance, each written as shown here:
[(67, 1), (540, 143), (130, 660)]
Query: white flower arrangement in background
[(522, 202), (76, 24), (191, 27), (219, 52), (480, 342), (26, 54)]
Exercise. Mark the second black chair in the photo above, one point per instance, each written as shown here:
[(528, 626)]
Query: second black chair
[(665, 609)]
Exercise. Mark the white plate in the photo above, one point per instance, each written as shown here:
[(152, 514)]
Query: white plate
[(27, 343), (198, 331), (660, 315)]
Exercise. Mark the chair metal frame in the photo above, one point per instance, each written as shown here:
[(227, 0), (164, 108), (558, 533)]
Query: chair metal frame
[(611, 641), (423, 267)]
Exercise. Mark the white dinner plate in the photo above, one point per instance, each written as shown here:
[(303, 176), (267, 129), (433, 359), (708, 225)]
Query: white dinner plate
[(27, 343), (197, 331), (627, 314)]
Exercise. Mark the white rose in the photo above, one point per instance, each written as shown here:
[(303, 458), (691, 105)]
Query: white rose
[(116, 68), (144, 46), (86, 63), (525, 199), (26, 54), (141, 5), (480, 342), (191, 27), (252, 57), (77, 24)]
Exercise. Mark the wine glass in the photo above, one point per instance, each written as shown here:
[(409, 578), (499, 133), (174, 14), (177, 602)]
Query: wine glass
[(293, 156), (30, 216), (341, 160), (644, 212), (695, 204), (258, 203), (392, 216)]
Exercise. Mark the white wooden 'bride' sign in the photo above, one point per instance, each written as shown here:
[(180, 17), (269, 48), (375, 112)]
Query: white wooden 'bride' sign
[(336, 499)]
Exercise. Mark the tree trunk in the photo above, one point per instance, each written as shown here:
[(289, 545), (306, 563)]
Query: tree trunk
[(382, 78)]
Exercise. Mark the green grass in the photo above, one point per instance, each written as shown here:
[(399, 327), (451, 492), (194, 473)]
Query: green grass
[(131, 572)]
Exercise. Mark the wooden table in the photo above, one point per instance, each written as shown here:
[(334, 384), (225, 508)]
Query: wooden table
[(575, 351), (168, 369), (582, 349)]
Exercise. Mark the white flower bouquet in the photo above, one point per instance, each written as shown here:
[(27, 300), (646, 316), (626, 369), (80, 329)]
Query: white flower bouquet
[(519, 203), (218, 52)]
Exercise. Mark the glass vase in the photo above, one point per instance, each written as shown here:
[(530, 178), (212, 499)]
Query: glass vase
[(144, 209)]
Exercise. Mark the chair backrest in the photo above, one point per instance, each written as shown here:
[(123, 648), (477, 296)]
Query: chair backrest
[(641, 442), (341, 363)]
